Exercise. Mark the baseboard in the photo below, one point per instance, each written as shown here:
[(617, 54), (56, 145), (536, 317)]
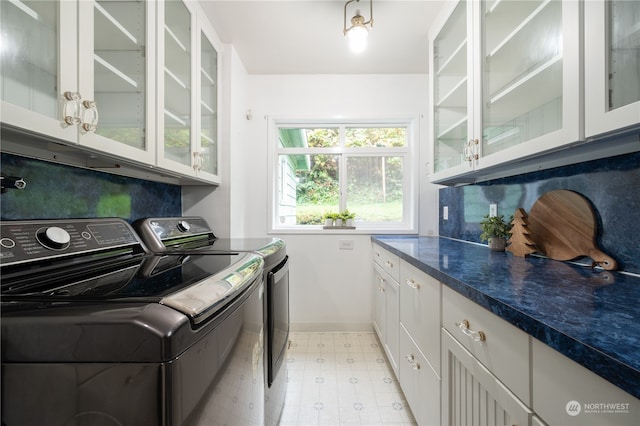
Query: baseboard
[(330, 327)]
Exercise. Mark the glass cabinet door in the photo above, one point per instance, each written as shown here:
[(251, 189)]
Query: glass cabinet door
[(451, 91), (522, 72), (208, 106), (177, 83), (612, 61), (38, 57), (116, 72), (120, 70), (623, 53)]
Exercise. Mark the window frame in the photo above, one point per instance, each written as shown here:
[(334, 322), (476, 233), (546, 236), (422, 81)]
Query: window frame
[(409, 223)]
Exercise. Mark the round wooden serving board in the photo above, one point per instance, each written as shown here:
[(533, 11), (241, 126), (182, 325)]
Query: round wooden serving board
[(563, 226)]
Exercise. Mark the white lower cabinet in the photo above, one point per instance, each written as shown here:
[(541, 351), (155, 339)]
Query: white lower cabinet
[(472, 395), (419, 382), (420, 312), (498, 345), (460, 364), (387, 310), (378, 303), (392, 323), (566, 393)]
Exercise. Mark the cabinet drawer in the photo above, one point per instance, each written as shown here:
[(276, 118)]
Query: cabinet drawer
[(389, 262), (419, 382), (558, 381), (420, 310), (504, 349), (472, 395)]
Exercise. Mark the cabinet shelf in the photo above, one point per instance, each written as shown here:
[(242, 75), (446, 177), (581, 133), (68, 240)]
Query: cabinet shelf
[(207, 107), (173, 116), (454, 131), (502, 17), (456, 97), (524, 49), (113, 32), (175, 39), (538, 87), (457, 62), (528, 81), (117, 76), (208, 78)]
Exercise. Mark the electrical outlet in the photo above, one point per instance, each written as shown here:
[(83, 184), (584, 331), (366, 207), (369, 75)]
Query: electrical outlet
[(346, 244), (493, 210), (445, 213)]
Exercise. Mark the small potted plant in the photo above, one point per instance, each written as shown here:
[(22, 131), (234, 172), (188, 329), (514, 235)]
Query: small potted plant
[(329, 218), (347, 217), (495, 231)]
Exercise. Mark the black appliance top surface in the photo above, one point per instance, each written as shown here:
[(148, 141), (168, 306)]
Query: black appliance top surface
[(180, 234)]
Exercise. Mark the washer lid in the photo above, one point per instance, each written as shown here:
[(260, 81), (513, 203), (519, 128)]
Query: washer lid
[(205, 298)]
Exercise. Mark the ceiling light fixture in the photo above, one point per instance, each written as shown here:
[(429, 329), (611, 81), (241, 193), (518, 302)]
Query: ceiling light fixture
[(358, 31)]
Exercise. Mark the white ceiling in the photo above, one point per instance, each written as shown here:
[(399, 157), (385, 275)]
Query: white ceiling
[(305, 36)]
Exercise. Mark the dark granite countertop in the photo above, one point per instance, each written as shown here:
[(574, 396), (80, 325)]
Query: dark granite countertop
[(590, 316)]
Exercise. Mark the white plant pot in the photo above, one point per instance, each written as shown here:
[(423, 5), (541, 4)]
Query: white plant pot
[(338, 222), (328, 222)]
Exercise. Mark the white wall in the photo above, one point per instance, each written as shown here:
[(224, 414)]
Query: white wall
[(331, 289)]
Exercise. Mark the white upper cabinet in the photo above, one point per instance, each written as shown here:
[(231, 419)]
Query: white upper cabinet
[(505, 83), (39, 79), (117, 78), (451, 88), (187, 92), (136, 80), (612, 66)]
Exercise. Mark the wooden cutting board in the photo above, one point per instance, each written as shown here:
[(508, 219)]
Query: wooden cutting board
[(563, 225)]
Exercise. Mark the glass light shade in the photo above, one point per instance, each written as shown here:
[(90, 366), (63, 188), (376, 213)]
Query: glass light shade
[(357, 37)]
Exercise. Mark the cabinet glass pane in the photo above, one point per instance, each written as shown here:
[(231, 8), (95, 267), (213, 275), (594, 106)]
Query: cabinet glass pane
[(624, 53), (120, 70), (29, 55), (450, 90), (521, 71), (208, 106), (177, 82)]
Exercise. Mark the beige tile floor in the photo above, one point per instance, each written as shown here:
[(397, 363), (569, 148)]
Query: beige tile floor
[(341, 379)]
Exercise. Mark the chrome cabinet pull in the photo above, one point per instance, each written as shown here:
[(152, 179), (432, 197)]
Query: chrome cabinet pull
[(476, 336), (389, 264), (411, 283), (70, 108), (470, 150), (412, 361), (92, 124)]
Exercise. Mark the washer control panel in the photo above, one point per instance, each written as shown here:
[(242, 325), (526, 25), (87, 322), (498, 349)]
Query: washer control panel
[(26, 241), (158, 233)]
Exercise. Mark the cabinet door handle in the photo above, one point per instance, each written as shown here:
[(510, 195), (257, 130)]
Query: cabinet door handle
[(389, 264), (92, 124), (411, 283), (476, 336), (70, 108), (412, 361)]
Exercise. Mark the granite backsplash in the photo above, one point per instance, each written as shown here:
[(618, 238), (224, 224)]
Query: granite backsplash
[(612, 185), (56, 191)]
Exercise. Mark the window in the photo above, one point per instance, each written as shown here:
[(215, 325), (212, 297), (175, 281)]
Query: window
[(327, 167)]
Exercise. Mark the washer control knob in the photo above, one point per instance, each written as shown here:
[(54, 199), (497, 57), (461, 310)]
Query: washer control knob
[(183, 226), (54, 238)]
